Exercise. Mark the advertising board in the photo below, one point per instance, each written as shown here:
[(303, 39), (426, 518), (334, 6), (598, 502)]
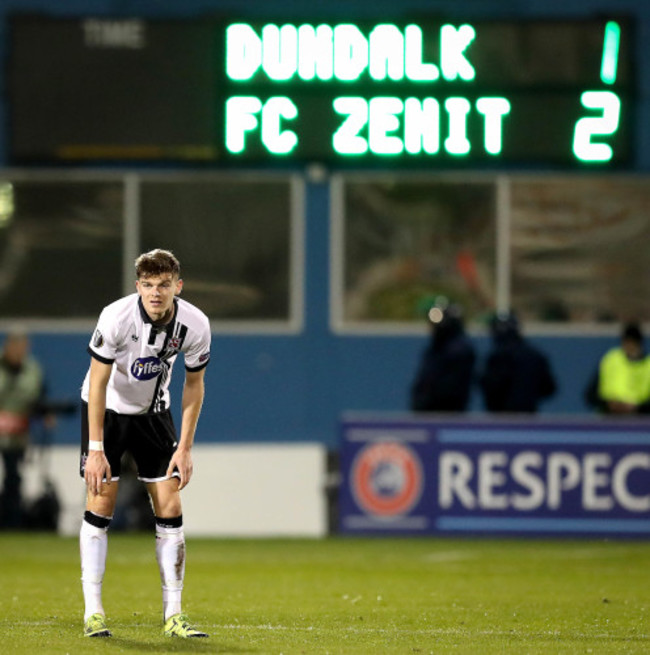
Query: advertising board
[(435, 475)]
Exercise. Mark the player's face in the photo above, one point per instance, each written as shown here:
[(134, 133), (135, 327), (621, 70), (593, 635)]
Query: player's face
[(157, 293)]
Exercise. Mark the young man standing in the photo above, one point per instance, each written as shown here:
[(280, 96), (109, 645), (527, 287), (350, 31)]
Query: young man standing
[(126, 408)]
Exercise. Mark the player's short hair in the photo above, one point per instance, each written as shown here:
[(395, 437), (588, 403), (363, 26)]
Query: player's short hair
[(157, 262)]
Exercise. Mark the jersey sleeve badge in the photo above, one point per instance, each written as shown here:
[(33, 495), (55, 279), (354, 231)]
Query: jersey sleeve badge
[(98, 339)]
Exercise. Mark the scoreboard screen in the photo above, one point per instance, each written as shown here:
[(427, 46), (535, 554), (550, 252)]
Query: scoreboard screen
[(425, 93)]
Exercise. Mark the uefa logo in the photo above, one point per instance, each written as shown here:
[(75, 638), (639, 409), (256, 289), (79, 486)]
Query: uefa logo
[(386, 479)]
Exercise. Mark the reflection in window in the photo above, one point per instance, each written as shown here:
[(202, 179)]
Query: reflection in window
[(580, 249), (408, 242), (232, 238), (60, 248)]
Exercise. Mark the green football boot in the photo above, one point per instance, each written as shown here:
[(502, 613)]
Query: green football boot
[(179, 626), (95, 626)]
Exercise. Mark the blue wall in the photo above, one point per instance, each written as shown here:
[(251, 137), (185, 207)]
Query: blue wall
[(270, 388), (295, 388)]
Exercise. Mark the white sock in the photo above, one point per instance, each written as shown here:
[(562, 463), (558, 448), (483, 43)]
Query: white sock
[(93, 543), (170, 553)]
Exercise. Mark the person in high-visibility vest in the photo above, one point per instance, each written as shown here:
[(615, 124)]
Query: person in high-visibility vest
[(621, 384)]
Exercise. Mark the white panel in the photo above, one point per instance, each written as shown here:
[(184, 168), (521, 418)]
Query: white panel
[(255, 490)]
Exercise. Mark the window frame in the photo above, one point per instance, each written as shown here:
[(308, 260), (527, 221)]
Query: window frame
[(503, 254), (132, 219)]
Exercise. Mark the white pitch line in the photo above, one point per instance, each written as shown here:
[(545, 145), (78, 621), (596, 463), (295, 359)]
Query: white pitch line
[(428, 631), (367, 630)]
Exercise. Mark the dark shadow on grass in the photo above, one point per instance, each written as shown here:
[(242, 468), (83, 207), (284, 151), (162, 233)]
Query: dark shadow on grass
[(177, 646)]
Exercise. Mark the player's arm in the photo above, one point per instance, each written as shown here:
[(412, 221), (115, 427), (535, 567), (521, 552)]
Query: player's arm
[(193, 393), (97, 467)]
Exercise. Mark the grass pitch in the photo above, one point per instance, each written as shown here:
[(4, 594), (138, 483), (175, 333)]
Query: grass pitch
[(339, 595)]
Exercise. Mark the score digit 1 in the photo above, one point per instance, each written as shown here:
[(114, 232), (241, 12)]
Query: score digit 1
[(592, 126)]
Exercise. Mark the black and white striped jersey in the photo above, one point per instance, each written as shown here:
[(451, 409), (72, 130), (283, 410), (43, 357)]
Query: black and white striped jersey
[(143, 354)]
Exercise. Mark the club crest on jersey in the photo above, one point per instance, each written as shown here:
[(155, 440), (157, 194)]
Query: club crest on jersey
[(146, 368), (387, 479), (174, 343)]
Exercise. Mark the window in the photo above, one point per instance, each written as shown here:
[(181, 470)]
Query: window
[(579, 249), (233, 238), (60, 247), (406, 242)]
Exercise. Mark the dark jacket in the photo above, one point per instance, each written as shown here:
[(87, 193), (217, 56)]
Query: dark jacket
[(516, 377), (444, 378)]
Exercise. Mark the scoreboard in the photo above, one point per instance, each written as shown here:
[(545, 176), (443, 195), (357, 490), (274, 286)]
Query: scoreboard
[(420, 92)]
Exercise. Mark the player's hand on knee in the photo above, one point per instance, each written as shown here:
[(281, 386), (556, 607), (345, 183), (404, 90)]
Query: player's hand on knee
[(182, 462), (97, 469)]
